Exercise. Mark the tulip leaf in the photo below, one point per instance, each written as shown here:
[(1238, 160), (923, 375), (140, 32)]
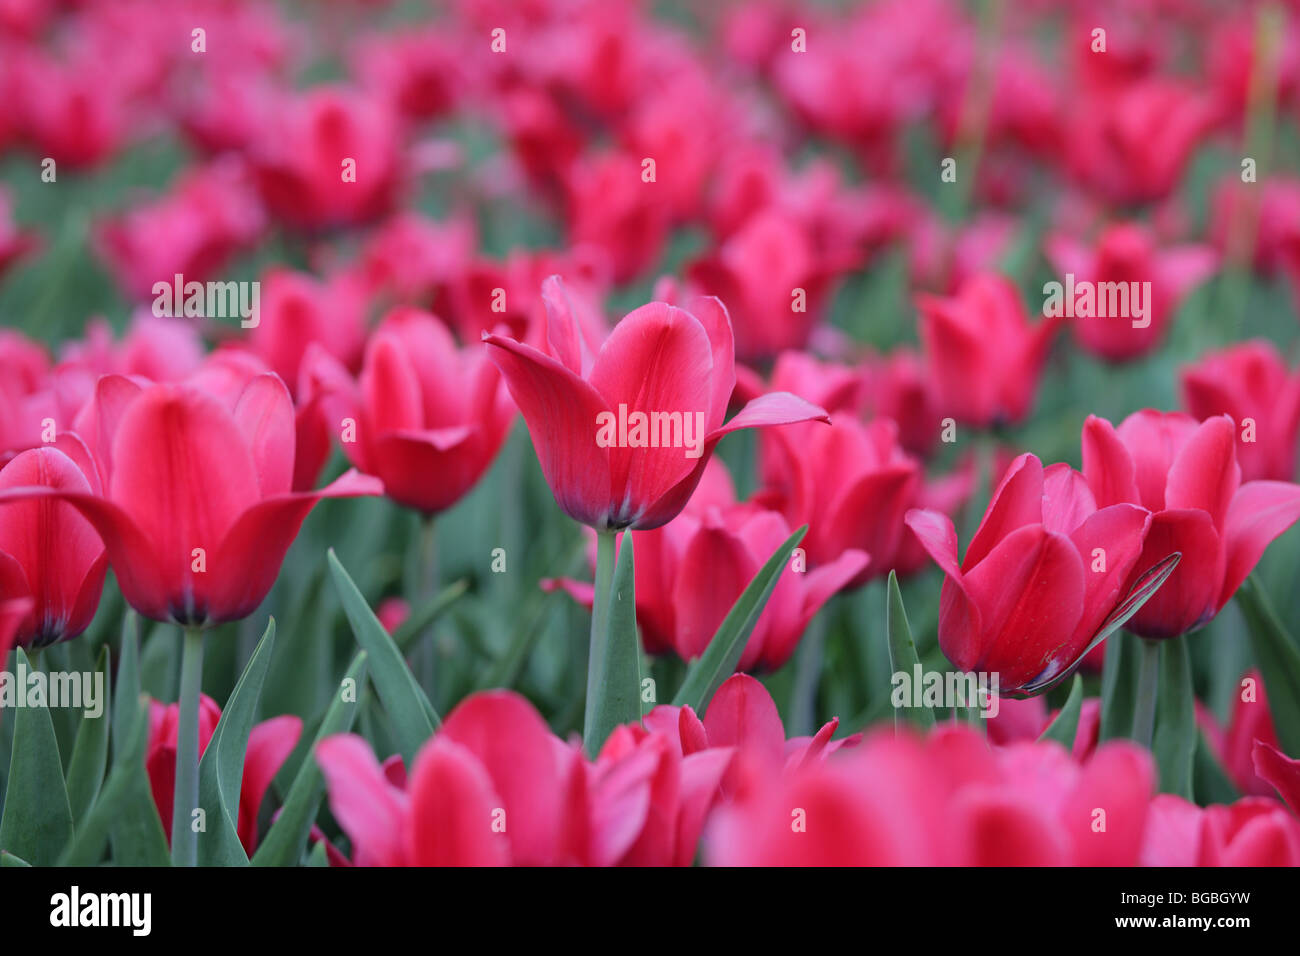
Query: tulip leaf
[(719, 660), (221, 770), (413, 717), (37, 822), (1174, 744), (1144, 588), (8, 859), (619, 682), (428, 612), (1066, 725), (1119, 687), (127, 685), (1278, 660), (127, 771), (90, 751), (902, 653), (287, 838), (318, 856), (1210, 782)]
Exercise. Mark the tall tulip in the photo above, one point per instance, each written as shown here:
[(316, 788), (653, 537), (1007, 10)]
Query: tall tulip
[(196, 515)]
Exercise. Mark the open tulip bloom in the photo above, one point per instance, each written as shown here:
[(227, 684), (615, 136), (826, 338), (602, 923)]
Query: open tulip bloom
[(930, 608)]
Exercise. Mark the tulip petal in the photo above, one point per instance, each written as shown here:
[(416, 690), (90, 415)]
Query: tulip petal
[(264, 413), (513, 744), (714, 570), (658, 360), (1260, 512), (1279, 770), (959, 616), (561, 411), (368, 808), (1119, 532), (269, 745), (1030, 593), (1188, 598), (453, 805), (249, 557), (743, 715), (1018, 501), (1204, 474), (1107, 464)]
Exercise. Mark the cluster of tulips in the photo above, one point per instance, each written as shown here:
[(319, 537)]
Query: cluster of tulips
[(281, 254)]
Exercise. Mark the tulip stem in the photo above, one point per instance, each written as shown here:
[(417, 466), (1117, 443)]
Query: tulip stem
[(1144, 716), (425, 588), (599, 634), (185, 840)]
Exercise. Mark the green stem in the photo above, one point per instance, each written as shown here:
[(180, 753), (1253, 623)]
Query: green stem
[(807, 676), (185, 841), (426, 587), (599, 633), (1144, 715)]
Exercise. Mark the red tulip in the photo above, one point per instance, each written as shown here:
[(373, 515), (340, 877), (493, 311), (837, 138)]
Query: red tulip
[(1254, 831), (946, 800), (12, 614), (742, 715), (660, 361), (691, 571), (426, 417), (1249, 724), (48, 552), (269, 745), (1251, 383), (197, 512), (298, 310), (1187, 476), (496, 787), (609, 206), (302, 165), (1127, 253), (759, 272), (1132, 146), (1044, 570), (1279, 770), (194, 229), (984, 357), (850, 483)]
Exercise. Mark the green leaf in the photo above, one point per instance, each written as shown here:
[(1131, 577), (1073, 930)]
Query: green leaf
[(287, 837), (1144, 588), (120, 791), (1210, 782), (902, 653), (8, 859), (413, 716), (1119, 687), (1066, 725), (619, 683), (718, 662), (1175, 739), (126, 688), (90, 752), (37, 821), (318, 855), (1278, 660), (420, 619), (221, 769)]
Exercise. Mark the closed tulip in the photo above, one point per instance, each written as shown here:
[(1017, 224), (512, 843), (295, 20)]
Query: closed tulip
[(1044, 570), (983, 355), (1186, 475), (669, 369), (48, 552), (1251, 383), (426, 416), (269, 745)]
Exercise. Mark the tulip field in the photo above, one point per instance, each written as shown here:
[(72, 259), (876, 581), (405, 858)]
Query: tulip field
[(615, 432)]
